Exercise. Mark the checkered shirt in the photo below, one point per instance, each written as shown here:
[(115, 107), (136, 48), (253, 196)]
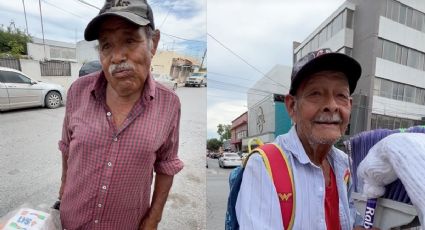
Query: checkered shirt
[(110, 170)]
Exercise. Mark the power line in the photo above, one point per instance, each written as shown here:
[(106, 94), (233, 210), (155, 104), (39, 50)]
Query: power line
[(76, 15), (242, 78), (166, 16), (170, 35), (246, 62), (88, 4)]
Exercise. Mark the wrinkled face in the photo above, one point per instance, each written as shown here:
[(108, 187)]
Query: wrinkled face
[(321, 108), (125, 54)]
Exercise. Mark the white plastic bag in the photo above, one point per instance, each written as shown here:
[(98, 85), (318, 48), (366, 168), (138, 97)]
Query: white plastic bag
[(31, 217)]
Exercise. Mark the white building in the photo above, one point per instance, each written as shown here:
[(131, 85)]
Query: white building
[(387, 37)]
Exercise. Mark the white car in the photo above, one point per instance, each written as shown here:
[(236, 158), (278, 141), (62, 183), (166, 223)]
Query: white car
[(229, 160), (197, 79), (166, 81), (17, 90)]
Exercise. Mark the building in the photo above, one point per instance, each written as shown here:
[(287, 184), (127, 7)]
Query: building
[(267, 115), (238, 131), (387, 37), (176, 65)]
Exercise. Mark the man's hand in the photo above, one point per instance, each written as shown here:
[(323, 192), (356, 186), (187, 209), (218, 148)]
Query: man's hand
[(149, 224)]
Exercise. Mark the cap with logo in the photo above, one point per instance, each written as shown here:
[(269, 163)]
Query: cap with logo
[(135, 11), (325, 60)]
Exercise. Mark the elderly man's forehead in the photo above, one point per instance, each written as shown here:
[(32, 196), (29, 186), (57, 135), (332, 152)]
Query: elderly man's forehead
[(114, 23)]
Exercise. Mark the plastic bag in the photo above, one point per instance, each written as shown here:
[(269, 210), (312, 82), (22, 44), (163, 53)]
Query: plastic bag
[(31, 217)]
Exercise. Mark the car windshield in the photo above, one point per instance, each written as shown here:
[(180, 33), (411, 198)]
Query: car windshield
[(197, 74), (231, 155)]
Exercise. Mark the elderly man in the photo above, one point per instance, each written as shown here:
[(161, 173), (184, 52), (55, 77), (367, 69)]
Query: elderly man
[(119, 127), (319, 104)]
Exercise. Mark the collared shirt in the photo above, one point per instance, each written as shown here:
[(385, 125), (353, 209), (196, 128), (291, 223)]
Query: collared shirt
[(257, 206), (110, 170)]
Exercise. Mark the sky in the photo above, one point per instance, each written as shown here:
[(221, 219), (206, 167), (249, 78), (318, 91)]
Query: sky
[(182, 22), (261, 34)]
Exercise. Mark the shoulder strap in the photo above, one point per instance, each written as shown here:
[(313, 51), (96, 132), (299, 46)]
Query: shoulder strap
[(280, 171)]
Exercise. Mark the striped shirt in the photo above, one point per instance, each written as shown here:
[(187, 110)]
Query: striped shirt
[(257, 205), (110, 170)]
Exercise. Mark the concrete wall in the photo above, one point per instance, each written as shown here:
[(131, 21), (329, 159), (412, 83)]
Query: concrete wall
[(32, 69), (261, 117), (86, 51), (395, 108)]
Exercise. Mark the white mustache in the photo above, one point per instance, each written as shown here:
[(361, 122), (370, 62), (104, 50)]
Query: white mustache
[(113, 68), (326, 118)]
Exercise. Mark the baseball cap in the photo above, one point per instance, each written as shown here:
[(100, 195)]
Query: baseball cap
[(135, 11), (324, 60)]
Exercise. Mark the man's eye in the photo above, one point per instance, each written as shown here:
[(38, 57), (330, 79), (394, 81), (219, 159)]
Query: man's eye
[(130, 41), (105, 46), (342, 95)]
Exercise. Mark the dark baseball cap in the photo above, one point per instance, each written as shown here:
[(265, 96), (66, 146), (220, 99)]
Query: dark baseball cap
[(135, 11), (325, 60)]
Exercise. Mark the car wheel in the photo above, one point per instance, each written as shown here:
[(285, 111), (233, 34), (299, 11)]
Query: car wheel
[(53, 100)]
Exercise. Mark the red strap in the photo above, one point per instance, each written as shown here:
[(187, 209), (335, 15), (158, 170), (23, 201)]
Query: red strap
[(282, 179)]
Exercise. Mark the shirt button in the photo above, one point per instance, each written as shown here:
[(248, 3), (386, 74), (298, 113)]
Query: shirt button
[(99, 205), (104, 187), (115, 139), (108, 114), (109, 164), (96, 221)]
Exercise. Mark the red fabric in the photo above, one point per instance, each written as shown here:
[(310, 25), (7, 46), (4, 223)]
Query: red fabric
[(282, 182), (332, 204), (108, 183)]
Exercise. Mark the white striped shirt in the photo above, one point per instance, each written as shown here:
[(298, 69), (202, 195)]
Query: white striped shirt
[(258, 208)]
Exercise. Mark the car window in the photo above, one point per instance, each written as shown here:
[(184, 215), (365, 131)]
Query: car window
[(12, 77)]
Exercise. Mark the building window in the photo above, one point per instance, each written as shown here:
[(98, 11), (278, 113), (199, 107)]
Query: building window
[(405, 15), (242, 134), (55, 68), (379, 121), (350, 19), (401, 54), (398, 91)]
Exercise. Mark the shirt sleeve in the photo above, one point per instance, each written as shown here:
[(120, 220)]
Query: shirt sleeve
[(66, 132), (167, 161), (257, 205)]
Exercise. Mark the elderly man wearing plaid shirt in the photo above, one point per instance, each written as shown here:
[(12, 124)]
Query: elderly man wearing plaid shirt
[(120, 126)]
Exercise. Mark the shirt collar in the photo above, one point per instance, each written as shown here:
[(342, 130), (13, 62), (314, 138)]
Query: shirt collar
[(98, 88)]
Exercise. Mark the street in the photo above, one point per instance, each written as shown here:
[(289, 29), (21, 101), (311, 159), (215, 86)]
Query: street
[(217, 193), (31, 162)]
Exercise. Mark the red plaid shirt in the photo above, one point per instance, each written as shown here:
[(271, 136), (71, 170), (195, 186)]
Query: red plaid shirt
[(110, 170)]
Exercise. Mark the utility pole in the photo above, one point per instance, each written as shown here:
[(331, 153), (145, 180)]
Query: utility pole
[(203, 57), (25, 13), (42, 28)]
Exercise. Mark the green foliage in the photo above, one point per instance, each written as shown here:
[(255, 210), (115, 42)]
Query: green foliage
[(13, 41), (224, 131), (213, 144)]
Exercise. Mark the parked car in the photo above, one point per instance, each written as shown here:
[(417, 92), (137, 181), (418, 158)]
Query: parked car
[(197, 79), (17, 90), (166, 81), (89, 67), (229, 160)]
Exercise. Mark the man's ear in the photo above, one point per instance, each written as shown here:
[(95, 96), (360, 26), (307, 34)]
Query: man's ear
[(290, 105), (156, 35)]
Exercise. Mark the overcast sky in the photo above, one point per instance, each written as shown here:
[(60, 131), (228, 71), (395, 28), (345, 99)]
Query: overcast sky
[(65, 20), (261, 32)]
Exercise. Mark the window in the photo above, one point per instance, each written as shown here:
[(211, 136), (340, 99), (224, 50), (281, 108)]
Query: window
[(376, 86), (395, 11), (413, 58), (337, 24), (409, 17), (409, 93), (55, 68), (386, 89), (12, 77), (350, 19), (389, 51), (403, 11), (404, 52)]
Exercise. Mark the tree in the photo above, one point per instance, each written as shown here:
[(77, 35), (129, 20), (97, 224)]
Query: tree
[(213, 144), (224, 131), (13, 41)]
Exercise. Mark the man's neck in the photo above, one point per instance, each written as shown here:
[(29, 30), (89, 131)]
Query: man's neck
[(316, 152)]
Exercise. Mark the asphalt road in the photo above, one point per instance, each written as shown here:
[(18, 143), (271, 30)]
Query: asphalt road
[(30, 167), (217, 193)]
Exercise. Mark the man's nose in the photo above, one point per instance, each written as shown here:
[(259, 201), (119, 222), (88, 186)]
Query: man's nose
[(118, 55), (330, 104)]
